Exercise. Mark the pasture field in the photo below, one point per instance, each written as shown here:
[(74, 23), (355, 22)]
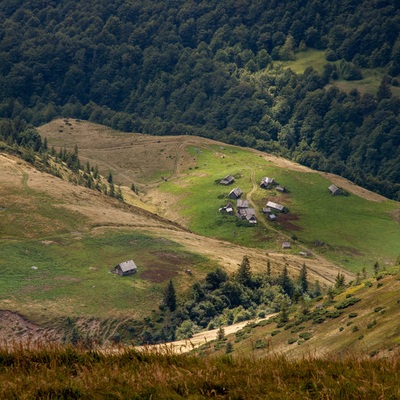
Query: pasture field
[(350, 230), (71, 275), (372, 77)]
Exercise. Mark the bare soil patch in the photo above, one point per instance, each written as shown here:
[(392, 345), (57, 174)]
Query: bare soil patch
[(287, 221)]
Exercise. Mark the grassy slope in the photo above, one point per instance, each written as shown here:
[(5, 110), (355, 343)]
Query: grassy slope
[(372, 77), (72, 237), (369, 327), (356, 231)]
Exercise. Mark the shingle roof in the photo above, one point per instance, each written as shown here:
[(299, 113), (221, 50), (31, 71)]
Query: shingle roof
[(127, 266)]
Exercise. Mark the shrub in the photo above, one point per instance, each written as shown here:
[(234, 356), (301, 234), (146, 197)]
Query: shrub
[(355, 328), (297, 328), (273, 333), (305, 335), (368, 283), (377, 309), (353, 315), (260, 344), (319, 319), (334, 314), (291, 340), (347, 303)]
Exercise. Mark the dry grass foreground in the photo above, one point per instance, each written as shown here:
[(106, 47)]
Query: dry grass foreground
[(57, 372)]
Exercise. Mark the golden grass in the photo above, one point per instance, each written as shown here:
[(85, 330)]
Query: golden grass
[(49, 372)]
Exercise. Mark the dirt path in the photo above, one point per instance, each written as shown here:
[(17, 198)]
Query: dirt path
[(186, 345)]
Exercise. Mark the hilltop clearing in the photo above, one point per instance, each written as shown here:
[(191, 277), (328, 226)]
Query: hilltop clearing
[(176, 178)]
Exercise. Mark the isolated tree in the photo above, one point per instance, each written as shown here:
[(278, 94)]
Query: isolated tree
[(243, 274), (170, 297), (330, 293), (110, 178), (303, 281), (220, 333), (339, 281), (229, 348)]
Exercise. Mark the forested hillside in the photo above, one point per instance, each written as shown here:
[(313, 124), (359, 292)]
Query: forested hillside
[(214, 68)]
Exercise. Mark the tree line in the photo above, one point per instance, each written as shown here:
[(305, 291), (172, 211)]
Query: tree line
[(213, 69), (221, 299)]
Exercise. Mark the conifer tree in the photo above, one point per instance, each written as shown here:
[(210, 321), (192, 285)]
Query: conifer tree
[(285, 282), (170, 297), (317, 289), (243, 275), (339, 281), (220, 333), (284, 312), (303, 281)]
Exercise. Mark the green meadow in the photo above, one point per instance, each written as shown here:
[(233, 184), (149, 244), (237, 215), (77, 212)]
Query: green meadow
[(372, 77), (354, 232), (72, 276)]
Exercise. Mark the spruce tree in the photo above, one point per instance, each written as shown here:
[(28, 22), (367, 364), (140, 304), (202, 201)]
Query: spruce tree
[(170, 297), (303, 281), (285, 282), (220, 333), (339, 281), (243, 275)]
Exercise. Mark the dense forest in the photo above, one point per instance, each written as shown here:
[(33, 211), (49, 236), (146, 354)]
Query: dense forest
[(213, 68)]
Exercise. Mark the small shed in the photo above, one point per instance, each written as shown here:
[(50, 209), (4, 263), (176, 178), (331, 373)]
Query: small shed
[(228, 208), (251, 219), (125, 268), (281, 188), (266, 210), (235, 193), (267, 182), (229, 179), (276, 206), (335, 191), (272, 217), (286, 245)]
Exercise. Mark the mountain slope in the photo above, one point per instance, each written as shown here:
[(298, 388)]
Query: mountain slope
[(177, 175)]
